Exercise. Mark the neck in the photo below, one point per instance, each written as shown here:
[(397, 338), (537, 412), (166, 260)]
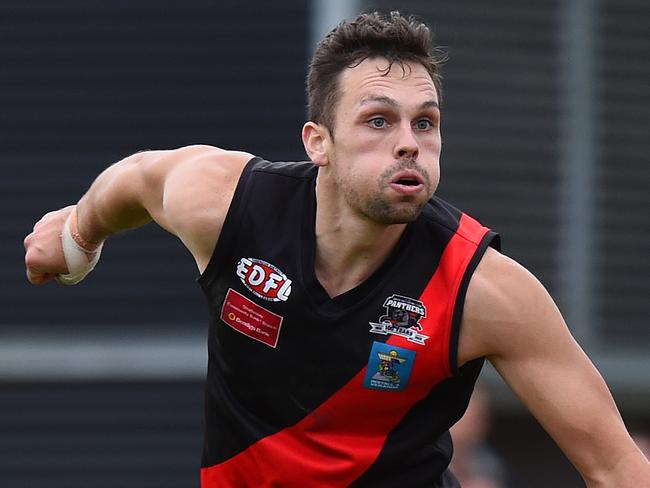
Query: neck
[(349, 247)]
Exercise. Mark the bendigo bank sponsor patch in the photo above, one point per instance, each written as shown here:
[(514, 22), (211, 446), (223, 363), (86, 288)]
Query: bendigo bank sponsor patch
[(389, 367), (250, 319)]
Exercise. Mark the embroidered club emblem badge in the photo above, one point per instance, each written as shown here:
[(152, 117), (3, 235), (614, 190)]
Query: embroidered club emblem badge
[(402, 318)]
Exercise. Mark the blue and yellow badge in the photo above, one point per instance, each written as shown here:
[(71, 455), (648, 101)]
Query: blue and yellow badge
[(389, 367)]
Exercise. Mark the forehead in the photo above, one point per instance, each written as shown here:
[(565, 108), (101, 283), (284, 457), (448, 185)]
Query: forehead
[(408, 81)]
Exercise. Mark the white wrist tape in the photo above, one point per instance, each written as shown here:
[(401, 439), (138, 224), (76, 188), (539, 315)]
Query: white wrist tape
[(76, 257)]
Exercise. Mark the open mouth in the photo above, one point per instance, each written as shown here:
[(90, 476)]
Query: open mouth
[(407, 182), (407, 177)]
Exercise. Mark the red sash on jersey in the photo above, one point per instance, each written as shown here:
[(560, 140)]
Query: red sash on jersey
[(338, 441)]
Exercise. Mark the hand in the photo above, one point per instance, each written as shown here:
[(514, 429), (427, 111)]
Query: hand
[(44, 258)]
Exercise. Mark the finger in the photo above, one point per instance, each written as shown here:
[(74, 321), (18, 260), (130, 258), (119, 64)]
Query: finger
[(35, 278), (27, 240), (41, 221), (46, 278)]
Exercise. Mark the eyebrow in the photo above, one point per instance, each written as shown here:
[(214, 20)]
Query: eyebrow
[(430, 104), (393, 103)]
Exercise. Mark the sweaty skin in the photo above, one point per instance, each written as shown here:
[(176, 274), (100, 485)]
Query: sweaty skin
[(376, 170)]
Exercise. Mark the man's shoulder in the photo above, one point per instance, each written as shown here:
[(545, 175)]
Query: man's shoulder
[(212, 155), (197, 164), (503, 299), (501, 283), (291, 169), (198, 188)]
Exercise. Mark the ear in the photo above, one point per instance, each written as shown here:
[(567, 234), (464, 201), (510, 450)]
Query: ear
[(315, 138)]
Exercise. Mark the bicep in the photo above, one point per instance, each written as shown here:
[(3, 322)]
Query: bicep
[(524, 336), (563, 390), (186, 191)]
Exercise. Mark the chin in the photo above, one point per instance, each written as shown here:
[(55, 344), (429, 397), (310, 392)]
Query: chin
[(402, 213)]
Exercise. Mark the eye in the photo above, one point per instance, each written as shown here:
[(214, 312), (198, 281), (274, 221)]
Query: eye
[(378, 122), (424, 124)]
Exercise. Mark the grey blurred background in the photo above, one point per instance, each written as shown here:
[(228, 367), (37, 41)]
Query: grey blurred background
[(546, 127)]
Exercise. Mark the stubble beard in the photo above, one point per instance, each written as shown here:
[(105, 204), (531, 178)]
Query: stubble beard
[(379, 208)]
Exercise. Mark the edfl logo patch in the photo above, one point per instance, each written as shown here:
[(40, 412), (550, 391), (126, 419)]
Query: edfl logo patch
[(264, 280)]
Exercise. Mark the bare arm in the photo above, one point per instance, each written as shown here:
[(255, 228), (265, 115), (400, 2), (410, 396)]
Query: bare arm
[(186, 191), (510, 318)]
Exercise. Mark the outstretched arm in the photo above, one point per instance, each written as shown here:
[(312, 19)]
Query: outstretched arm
[(186, 191), (510, 318)]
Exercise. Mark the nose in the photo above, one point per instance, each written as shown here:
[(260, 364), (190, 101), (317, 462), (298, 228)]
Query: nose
[(406, 145)]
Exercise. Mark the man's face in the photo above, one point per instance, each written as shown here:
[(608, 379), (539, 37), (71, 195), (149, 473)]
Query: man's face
[(386, 146)]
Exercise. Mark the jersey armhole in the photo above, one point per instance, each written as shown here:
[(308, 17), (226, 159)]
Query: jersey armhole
[(489, 239), (230, 227)]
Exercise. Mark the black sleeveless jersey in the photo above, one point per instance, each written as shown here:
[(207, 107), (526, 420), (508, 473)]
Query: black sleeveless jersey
[(304, 390)]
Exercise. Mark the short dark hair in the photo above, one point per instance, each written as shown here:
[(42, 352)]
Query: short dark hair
[(394, 37)]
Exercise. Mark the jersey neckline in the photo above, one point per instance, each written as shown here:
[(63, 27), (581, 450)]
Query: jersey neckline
[(354, 297)]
